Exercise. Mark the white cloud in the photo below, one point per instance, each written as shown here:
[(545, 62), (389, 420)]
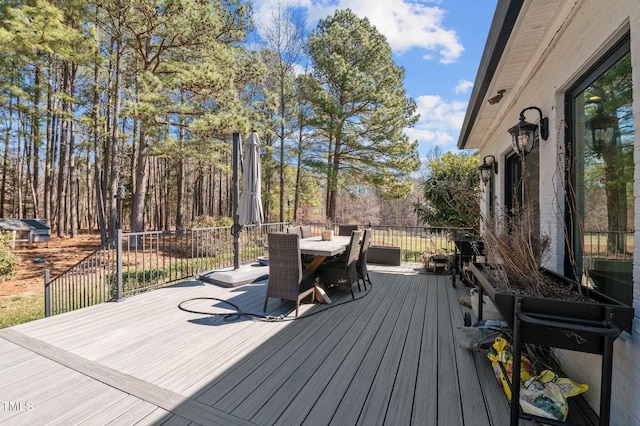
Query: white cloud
[(405, 24), (298, 69), (463, 86), (440, 122)]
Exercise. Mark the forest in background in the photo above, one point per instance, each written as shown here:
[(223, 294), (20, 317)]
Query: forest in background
[(144, 95)]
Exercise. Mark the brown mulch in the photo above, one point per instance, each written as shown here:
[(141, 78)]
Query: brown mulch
[(59, 254), (548, 286)]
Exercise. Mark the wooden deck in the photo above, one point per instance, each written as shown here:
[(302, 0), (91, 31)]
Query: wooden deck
[(390, 357)]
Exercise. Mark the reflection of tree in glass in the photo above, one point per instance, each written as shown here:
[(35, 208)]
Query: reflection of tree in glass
[(609, 137)]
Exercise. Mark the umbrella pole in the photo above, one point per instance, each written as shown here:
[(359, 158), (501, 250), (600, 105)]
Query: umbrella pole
[(236, 184)]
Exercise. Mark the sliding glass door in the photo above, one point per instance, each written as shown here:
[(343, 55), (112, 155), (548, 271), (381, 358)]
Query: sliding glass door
[(600, 201)]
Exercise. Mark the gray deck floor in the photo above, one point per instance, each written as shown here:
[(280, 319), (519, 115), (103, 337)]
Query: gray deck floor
[(390, 357)]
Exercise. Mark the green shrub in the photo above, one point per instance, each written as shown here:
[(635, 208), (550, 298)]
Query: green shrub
[(135, 279), (8, 260), (211, 221), (210, 237), (412, 255)]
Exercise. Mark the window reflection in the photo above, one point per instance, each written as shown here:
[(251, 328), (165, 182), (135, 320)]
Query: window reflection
[(603, 179)]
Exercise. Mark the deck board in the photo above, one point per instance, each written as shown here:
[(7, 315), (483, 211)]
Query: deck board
[(326, 342), (425, 401), (449, 399), (377, 400), (88, 397), (128, 410), (281, 374), (354, 353), (401, 401), (495, 400), (370, 369), (312, 377), (389, 357), (176, 421), (471, 397)]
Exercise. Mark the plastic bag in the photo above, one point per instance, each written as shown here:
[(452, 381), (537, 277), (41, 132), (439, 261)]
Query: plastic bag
[(481, 335), (502, 362), (568, 387), (546, 395)]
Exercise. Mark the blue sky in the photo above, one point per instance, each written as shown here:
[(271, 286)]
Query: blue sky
[(438, 42)]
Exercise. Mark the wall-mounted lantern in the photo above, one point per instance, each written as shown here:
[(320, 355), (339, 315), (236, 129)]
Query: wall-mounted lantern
[(523, 134), (602, 129), (489, 165)]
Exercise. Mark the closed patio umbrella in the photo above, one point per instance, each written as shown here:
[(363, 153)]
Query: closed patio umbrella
[(249, 205)]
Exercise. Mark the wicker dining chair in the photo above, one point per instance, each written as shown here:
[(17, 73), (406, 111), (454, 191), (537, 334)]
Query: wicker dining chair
[(343, 273), (346, 230), (305, 231), (286, 280), (361, 266)]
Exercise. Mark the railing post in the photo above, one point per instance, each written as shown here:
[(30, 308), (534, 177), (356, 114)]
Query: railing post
[(47, 294), (119, 295), (236, 185), (191, 261)]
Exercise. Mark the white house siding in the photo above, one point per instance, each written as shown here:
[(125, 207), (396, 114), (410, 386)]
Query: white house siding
[(581, 34)]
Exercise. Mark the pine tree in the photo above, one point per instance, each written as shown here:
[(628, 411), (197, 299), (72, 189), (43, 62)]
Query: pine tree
[(360, 108), (181, 44)]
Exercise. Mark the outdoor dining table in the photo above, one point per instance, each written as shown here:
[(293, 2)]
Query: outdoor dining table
[(321, 250)]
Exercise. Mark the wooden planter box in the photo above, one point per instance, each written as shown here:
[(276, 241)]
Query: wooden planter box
[(384, 255), (578, 326)]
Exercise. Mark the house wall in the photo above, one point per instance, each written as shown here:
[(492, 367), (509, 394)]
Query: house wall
[(585, 33)]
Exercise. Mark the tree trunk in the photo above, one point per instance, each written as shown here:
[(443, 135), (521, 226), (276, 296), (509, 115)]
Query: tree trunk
[(36, 141), (98, 152), (55, 149), (166, 188), (180, 181), (113, 149), (333, 182), (211, 205), (66, 150), (90, 212), (296, 198), (282, 139), (5, 158), (220, 186), (61, 187), (155, 210), (141, 182), (73, 207), (18, 173), (49, 146), (616, 191)]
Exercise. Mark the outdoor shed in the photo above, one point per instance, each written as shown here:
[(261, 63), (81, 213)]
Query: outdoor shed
[(27, 231)]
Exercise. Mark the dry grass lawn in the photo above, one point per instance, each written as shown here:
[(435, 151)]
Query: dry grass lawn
[(22, 295)]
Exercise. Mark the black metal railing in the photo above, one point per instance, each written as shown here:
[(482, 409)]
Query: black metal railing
[(132, 263), (414, 241), (135, 262), (609, 245)]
